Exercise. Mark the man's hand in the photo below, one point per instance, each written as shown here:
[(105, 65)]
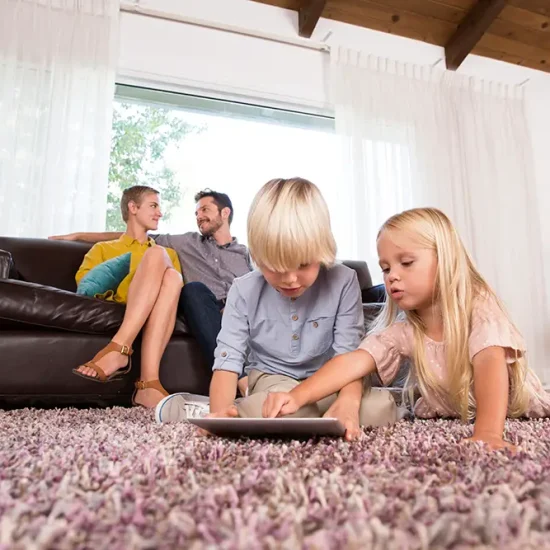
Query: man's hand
[(229, 412), (495, 442), (348, 415), (279, 404), (69, 237)]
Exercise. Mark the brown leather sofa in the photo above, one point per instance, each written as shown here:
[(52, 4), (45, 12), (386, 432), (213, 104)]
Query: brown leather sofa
[(46, 330)]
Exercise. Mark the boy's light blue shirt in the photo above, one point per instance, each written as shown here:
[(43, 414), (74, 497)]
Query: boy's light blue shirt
[(290, 336)]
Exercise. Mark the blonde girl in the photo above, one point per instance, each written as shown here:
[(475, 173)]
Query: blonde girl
[(468, 357)]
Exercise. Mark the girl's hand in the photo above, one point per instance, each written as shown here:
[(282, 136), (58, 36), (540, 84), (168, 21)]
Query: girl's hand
[(348, 415), (493, 441), (229, 412), (279, 404)]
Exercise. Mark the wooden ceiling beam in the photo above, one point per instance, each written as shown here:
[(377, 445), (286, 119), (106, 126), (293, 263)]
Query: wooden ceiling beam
[(308, 15), (471, 30)]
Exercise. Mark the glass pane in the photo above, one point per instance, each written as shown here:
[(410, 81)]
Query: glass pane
[(181, 144)]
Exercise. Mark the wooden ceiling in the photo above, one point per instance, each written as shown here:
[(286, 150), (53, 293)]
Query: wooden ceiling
[(515, 31)]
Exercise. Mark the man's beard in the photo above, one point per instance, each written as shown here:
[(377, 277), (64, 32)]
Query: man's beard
[(211, 227)]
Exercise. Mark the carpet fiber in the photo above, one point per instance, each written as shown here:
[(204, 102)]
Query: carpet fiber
[(114, 479)]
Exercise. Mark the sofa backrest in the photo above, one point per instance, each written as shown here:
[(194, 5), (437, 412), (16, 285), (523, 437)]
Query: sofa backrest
[(55, 263), (51, 263)]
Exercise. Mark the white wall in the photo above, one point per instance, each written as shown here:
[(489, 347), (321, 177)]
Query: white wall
[(182, 57)]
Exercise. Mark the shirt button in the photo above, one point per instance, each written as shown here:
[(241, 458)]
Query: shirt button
[(316, 324), (295, 317), (293, 299), (224, 353), (295, 337)]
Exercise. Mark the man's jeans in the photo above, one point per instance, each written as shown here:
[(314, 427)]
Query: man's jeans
[(203, 315)]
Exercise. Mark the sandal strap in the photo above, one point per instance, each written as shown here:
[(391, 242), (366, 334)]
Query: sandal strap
[(153, 384), (124, 349), (112, 346)]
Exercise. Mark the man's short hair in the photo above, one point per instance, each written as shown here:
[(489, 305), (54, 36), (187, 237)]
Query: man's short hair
[(221, 200), (133, 194)]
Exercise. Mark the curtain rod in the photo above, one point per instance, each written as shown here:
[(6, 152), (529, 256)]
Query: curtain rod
[(155, 14)]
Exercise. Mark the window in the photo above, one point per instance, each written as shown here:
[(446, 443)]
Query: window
[(181, 144)]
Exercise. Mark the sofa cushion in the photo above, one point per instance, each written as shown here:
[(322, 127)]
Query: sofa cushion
[(44, 306)]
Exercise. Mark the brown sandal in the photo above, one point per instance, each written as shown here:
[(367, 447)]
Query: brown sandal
[(143, 385), (101, 376)]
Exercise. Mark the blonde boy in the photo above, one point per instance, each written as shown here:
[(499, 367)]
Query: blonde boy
[(295, 313)]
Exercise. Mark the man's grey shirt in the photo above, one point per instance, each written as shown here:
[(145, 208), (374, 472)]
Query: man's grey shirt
[(290, 336), (203, 259)]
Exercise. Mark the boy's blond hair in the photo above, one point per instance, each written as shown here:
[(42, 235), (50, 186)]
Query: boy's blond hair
[(458, 283), (134, 194), (289, 226)]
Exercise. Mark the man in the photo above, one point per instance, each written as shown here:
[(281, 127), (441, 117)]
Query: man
[(210, 261)]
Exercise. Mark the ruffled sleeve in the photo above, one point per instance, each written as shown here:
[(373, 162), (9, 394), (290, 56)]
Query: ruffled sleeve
[(491, 328), (388, 348)]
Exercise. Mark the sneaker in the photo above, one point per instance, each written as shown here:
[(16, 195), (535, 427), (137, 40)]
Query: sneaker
[(178, 407)]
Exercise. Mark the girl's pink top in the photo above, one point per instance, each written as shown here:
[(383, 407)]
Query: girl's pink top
[(489, 327)]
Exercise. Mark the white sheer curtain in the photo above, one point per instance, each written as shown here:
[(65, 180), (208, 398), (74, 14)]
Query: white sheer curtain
[(417, 136), (57, 66)]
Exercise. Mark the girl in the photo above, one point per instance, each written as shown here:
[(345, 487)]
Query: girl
[(291, 316), (468, 358)]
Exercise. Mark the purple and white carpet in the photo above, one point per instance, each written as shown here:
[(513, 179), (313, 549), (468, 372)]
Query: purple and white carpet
[(114, 479)]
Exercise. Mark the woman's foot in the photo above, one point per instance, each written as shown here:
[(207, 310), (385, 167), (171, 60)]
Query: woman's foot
[(109, 364), (106, 363), (148, 393), (148, 398)]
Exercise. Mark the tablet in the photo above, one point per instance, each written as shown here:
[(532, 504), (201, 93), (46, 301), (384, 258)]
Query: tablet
[(271, 427)]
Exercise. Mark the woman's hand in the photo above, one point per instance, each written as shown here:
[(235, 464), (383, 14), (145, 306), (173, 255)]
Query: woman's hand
[(279, 404)]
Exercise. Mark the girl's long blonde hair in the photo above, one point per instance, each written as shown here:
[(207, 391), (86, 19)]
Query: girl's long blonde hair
[(457, 284)]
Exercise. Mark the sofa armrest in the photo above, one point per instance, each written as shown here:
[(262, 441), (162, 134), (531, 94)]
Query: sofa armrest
[(6, 264), (33, 304)]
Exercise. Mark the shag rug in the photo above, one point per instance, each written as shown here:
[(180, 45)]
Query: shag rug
[(114, 479)]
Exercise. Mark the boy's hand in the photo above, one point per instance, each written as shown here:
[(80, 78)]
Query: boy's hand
[(348, 415), (493, 441), (229, 412), (279, 404)]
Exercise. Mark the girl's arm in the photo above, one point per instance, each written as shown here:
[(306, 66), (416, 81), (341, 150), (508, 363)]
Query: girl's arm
[(330, 378), (491, 389), (348, 331)]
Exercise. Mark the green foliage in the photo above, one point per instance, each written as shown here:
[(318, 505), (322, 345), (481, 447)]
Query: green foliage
[(141, 135)]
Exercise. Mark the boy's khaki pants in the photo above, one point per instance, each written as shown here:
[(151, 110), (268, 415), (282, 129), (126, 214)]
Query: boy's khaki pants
[(378, 406)]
